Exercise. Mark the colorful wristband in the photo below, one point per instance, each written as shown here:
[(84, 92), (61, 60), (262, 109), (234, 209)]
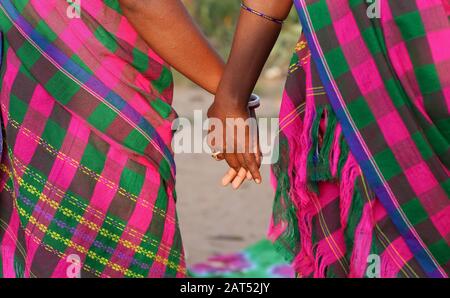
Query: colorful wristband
[(260, 14)]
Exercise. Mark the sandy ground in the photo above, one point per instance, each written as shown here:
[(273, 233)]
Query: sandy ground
[(215, 219)]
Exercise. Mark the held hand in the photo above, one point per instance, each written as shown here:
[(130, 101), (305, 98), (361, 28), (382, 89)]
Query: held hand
[(234, 133)]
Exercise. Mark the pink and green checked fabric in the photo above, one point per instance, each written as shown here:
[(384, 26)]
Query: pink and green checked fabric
[(87, 171), (363, 180)]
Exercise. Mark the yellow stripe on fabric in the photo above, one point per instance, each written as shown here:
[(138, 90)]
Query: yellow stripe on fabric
[(89, 224), (61, 255), (19, 246), (341, 259), (103, 216), (285, 125), (372, 164), (102, 260), (296, 66), (86, 88), (302, 107), (76, 164), (300, 45), (390, 244), (292, 112)]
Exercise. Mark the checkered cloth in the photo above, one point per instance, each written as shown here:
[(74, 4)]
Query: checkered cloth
[(87, 173), (363, 180)]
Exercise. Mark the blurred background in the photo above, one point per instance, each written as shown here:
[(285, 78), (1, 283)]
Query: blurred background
[(216, 220)]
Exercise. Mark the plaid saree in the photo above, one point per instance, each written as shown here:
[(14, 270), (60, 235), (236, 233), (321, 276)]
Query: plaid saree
[(87, 171), (362, 185)]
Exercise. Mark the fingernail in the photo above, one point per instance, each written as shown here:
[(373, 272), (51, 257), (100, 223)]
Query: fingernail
[(258, 181)]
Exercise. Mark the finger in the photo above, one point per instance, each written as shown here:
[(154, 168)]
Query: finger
[(253, 155), (237, 182), (252, 166), (256, 145), (232, 161), (258, 159), (241, 160), (257, 151), (258, 155), (229, 176)]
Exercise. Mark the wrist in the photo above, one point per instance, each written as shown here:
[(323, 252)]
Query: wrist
[(215, 76), (229, 105), (230, 100), (232, 94), (237, 103)]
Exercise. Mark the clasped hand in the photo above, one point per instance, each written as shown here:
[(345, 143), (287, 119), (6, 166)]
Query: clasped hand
[(233, 134)]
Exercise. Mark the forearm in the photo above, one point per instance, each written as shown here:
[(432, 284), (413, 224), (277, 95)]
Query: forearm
[(253, 42), (169, 30)]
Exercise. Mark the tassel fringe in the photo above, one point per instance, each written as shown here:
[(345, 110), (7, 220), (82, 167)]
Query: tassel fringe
[(319, 154)]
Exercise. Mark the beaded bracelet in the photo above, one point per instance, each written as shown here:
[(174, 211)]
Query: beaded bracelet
[(260, 14)]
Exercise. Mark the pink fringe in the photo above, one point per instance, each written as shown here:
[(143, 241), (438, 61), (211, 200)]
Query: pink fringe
[(276, 230), (446, 6), (304, 261), (324, 258), (362, 243), (8, 247), (388, 267), (315, 259), (350, 172), (300, 155), (335, 151)]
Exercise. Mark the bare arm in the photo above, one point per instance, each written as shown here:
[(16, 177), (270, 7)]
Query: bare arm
[(169, 30), (253, 42)]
